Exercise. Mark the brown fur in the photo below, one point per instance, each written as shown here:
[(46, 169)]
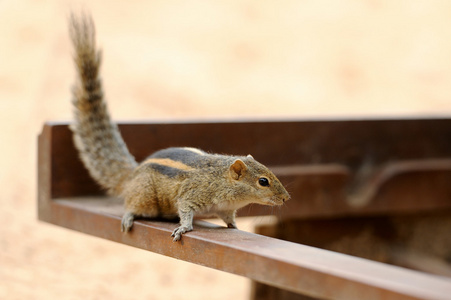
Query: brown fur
[(98, 140), (171, 182)]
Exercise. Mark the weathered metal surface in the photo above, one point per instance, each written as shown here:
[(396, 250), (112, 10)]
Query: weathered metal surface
[(290, 266), (388, 239), (418, 241)]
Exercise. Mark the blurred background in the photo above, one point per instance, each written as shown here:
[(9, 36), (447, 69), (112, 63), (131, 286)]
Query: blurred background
[(195, 59)]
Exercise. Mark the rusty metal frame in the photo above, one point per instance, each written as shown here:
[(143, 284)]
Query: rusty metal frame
[(395, 166)]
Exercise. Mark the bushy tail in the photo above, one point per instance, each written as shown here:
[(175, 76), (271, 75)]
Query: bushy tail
[(97, 139)]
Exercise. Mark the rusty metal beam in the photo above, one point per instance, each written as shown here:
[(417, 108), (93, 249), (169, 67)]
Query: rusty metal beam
[(294, 267), (406, 160)]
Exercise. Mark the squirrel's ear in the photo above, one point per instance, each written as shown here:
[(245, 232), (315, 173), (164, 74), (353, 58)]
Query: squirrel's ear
[(250, 156), (237, 169)]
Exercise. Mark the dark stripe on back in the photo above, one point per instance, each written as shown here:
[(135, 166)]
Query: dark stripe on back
[(167, 171), (185, 156)]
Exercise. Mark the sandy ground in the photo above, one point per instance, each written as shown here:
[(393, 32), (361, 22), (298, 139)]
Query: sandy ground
[(203, 59)]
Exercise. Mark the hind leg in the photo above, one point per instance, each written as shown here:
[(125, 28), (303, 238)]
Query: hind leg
[(139, 203), (129, 217)]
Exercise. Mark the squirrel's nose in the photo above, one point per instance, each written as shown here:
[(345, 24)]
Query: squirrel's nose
[(286, 198)]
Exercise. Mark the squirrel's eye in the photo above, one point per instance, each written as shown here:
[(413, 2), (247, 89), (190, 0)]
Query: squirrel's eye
[(263, 181)]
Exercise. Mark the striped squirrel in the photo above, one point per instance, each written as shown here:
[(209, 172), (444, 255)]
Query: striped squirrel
[(170, 182)]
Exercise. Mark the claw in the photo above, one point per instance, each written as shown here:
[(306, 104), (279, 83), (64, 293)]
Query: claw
[(177, 237), (177, 233)]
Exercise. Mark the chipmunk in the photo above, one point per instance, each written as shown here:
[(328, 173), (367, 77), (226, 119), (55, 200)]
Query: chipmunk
[(172, 182)]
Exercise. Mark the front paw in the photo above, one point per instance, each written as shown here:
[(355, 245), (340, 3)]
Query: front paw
[(177, 233)]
